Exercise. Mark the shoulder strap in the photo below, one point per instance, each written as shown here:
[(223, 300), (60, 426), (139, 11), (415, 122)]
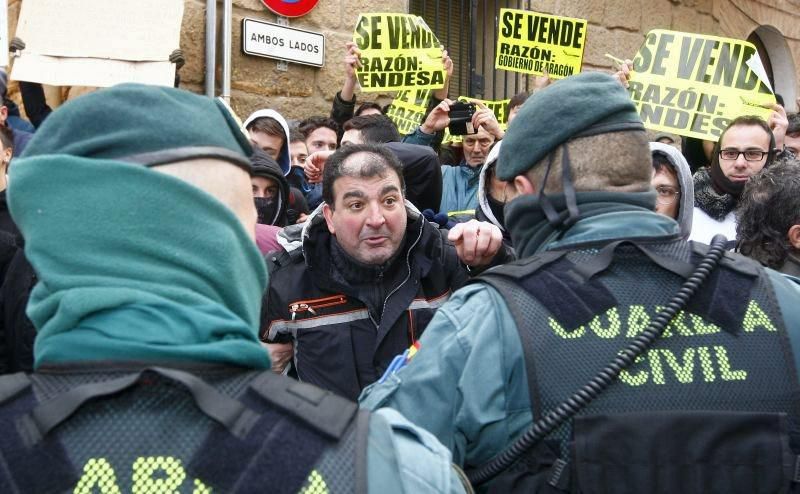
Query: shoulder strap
[(12, 384), (513, 296), (522, 268), (362, 435), (320, 409), (741, 264), (228, 412)]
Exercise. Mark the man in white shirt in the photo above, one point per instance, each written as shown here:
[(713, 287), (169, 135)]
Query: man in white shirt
[(743, 150)]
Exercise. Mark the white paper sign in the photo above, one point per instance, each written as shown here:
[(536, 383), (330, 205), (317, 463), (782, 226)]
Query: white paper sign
[(97, 42)]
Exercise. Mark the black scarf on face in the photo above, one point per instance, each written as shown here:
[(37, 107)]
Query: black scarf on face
[(721, 183), (531, 230), (713, 201), (267, 209)]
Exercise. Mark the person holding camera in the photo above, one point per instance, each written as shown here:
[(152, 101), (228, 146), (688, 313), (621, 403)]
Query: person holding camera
[(480, 129)]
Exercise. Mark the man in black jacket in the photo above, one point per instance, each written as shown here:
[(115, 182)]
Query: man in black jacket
[(360, 282)]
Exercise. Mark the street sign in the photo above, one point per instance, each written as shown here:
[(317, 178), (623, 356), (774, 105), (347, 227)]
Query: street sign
[(265, 39), (290, 8)]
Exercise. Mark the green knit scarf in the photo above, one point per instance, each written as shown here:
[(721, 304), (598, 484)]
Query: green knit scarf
[(127, 275)]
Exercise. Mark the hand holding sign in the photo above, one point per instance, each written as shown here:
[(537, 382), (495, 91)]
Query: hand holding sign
[(351, 60), (778, 122), (624, 69), (541, 81), (694, 85), (447, 63), (351, 63), (448, 66)]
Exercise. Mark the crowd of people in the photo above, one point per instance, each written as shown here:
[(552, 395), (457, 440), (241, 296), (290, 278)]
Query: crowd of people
[(521, 311)]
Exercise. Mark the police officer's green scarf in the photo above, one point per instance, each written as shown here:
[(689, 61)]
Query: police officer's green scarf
[(531, 232), (124, 275)]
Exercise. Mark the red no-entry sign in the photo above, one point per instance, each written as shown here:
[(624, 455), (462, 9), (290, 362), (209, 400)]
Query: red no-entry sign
[(290, 8)]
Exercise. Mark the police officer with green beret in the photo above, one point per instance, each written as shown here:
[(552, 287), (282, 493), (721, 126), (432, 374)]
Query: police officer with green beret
[(614, 356), (136, 207)]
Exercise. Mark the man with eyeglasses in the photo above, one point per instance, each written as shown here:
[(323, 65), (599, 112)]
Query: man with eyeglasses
[(460, 182), (744, 149)]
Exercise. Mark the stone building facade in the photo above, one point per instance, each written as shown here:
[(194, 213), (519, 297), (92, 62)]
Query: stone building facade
[(615, 26)]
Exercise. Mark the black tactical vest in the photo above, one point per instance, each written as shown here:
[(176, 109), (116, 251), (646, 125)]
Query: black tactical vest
[(159, 430), (708, 408)]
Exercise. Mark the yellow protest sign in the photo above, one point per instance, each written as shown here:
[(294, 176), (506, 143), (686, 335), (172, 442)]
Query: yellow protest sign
[(408, 108), (694, 85), (531, 43), (498, 107), (398, 52)]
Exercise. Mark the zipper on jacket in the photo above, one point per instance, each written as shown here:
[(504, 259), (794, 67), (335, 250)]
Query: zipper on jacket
[(310, 305), (408, 267)]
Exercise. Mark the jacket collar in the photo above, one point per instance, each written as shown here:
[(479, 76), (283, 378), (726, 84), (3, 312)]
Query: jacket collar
[(617, 225)]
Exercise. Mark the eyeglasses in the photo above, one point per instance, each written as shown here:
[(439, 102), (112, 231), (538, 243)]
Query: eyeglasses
[(666, 195), (749, 155)]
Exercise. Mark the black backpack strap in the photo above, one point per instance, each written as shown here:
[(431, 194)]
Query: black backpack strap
[(605, 257), (298, 423), (22, 465), (228, 412), (13, 384), (524, 267), (725, 296), (322, 410), (362, 444), (509, 292)]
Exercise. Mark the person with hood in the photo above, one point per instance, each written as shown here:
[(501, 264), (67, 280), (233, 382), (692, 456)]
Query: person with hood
[(271, 197), (672, 180), (269, 132), (587, 302), (149, 376), (270, 189), (359, 282), (493, 193)]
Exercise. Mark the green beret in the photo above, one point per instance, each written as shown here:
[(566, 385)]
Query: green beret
[(143, 124), (585, 104)]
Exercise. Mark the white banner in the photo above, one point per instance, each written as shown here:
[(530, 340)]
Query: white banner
[(97, 42)]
